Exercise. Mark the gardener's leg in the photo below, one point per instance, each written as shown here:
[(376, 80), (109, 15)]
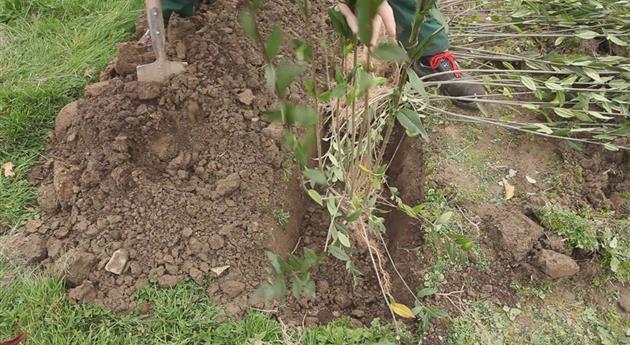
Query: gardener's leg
[(405, 13), (184, 8), (435, 58)]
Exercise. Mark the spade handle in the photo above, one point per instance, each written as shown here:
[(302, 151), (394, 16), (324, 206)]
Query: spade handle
[(156, 27)]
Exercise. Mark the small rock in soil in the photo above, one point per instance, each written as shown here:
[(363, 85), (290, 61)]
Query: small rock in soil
[(624, 302), (196, 275), (180, 50), (228, 185), (555, 243), (117, 262), (85, 293), (274, 131), (232, 288), (66, 118), (219, 270), (32, 225), (358, 313), (148, 91), (55, 247), (32, 249), (343, 300), (96, 89), (216, 242), (77, 265), (129, 57), (168, 281), (246, 97), (515, 233), (232, 309), (47, 198), (556, 265), (187, 232)]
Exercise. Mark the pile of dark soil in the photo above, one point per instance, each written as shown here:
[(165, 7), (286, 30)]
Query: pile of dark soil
[(179, 179)]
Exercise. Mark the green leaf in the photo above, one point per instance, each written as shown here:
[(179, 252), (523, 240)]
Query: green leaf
[(616, 40), (273, 116), (611, 147), (388, 51), (303, 50), (310, 258), (270, 77), (248, 22), (563, 112), (316, 197), (587, 34), (416, 84), (367, 81), (528, 82), (286, 73), (338, 253), (553, 86), (433, 312), (340, 25), (305, 116), (427, 292), (343, 239), (315, 176), (542, 128), (411, 122), (276, 262), (354, 215), (591, 73), (273, 43), (444, 218), (366, 11), (614, 265)]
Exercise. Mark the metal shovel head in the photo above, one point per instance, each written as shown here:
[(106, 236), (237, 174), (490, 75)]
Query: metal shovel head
[(159, 71)]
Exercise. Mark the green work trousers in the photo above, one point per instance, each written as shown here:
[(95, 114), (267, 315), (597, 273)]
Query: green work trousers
[(184, 8), (405, 13)]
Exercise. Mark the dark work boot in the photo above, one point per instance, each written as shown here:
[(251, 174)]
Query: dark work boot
[(444, 62)]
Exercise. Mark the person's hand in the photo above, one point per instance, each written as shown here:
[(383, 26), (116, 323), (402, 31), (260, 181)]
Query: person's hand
[(385, 16)]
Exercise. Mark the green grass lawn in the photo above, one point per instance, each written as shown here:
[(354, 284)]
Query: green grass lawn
[(49, 51)]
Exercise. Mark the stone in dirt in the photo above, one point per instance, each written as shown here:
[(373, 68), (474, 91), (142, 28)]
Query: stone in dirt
[(76, 265), (117, 262), (556, 265), (228, 185), (85, 293), (63, 183), (187, 232), (246, 97), (168, 281), (66, 118), (97, 89), (130, 55), (47, 198), (149, 91), (55, 247), (32, 249), (274, 131), (219, 270), (216, 242), (515, 233), (232, 288), (624, 302), (32, 225)]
